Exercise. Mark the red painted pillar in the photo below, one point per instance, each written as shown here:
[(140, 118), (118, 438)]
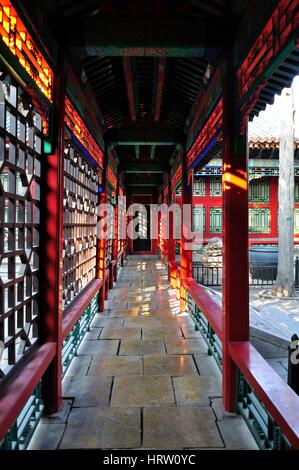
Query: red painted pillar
[(235, 312), (52, 244), (101, 243), (171, 240), (115, 240), (186, 253)]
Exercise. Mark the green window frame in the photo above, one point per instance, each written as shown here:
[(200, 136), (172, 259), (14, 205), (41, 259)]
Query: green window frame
[(199, 219), (216, 219), (296, 195), (199, 187), (259, 220), (216, 186), (259, 190)]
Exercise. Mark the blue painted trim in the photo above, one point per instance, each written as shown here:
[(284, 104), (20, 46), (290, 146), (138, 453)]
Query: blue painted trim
[(83, 149), (204, 153)]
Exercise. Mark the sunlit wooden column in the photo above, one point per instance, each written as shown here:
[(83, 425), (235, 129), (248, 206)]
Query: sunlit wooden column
[(101, 241), (235, 311), (115, 240), (171, 240), (52, 245), (186, 252)]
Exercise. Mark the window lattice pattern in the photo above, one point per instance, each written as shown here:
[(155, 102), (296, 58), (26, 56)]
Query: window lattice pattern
[(20, 169), (80, 220), (216, 186), (199, 187), (296, 220), (259, 220), (215, 219), (199, 219), (259, 190), (110, 224)]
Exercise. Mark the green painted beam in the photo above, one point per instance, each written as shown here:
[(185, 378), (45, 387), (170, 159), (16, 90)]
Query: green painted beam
[(137, 153), (142, 167), (145, 136)]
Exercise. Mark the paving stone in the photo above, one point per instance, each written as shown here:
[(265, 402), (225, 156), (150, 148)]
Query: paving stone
[(196, 389), (185, 346), (142, 391), (141, 347), (178, 428), (123, 313), (105, 347), (142, 322), (94, 333), (217, 405), (116, 366), (169, 365), (61, 416), (102, 428), (47, 436), (236, 434), (160, 333), (207, 365), (79, 366), (92, 391), (121, 333), (190, 332), (100, 321)]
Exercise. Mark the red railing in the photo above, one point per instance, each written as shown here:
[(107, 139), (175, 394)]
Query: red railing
[(278, 398)]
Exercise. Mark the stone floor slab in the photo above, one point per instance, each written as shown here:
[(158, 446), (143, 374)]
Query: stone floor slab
[(236, 434), (121, 333), (116, 366), (101, 321), (79, 366), (160, 333), (142, 391), (142, 322), (102, 428), (141, 347), (123, 313), (105, 347), (185, 346), (207, 365), (92, 391), (47, 436), (169, 365), (196, 390), (177, 428)]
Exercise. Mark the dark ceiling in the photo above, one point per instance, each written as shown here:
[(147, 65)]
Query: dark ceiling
[(151, 87)]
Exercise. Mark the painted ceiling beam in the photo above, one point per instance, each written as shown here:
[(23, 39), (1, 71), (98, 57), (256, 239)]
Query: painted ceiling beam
[(137, 152), (148, 35), (127, 64), (145, 136), (142, 167), (161, 73), (153, 149)]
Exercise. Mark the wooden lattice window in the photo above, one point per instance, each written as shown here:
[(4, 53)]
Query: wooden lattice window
[(177, 222), (199, 187), (110, 225), (259, 190), (215, 219), (216, 186), (80, 221), (199, 219), (259, 220), (20, 171)]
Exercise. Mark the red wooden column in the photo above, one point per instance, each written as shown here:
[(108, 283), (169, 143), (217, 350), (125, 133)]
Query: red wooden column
[(101, 243), (171, 241), (235, 319), (115, 240), (52, 245), (186, 253)]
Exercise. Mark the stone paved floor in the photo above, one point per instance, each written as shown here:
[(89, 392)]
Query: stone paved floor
[(142, 377)]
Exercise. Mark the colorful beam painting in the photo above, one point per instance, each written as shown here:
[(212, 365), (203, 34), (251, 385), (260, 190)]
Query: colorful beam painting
[(177, 177), (18, 40), (207, 133), (76, 125), (112, 179)]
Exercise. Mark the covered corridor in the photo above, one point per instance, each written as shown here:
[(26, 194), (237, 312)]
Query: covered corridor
[(108, 110), (142, 378)]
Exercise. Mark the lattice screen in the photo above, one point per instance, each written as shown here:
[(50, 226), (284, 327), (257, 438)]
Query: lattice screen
[(80, 218), (20, 170)]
